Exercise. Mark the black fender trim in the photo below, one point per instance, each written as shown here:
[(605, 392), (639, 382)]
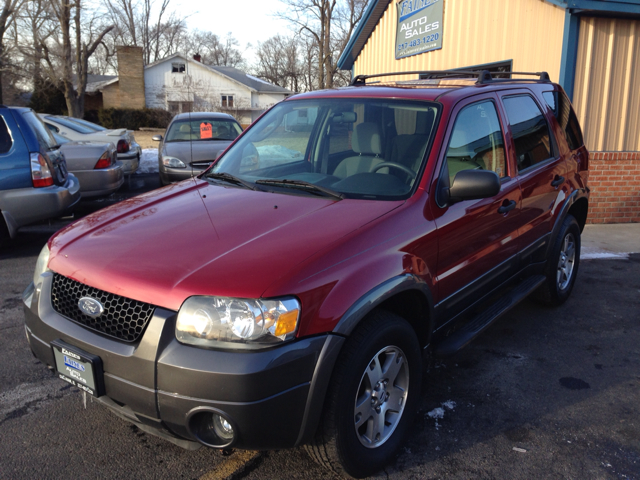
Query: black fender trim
[(571, 199), (318, 388), (379, 294)]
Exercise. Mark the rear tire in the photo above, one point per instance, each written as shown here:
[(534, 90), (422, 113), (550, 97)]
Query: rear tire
[(372, 398), (562, 265)]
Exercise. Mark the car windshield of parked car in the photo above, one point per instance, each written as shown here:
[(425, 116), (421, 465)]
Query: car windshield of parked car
[(45, 138), (203, 129), (76, 127), (85, 123), (359, 148)]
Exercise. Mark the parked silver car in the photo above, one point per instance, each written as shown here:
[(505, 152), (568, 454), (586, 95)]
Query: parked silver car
[(77, 130), (94, 164), (192, 142)]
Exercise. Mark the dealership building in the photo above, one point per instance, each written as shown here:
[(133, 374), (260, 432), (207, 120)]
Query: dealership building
[(590, 47)]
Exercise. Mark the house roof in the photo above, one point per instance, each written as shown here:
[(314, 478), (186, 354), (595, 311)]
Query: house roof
[(238, 76), (96, 82), (376, 8)]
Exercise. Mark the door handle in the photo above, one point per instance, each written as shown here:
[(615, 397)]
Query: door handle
[(507, 206), (557, 181)]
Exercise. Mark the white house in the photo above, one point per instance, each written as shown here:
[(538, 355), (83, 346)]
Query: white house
[(178, 83)]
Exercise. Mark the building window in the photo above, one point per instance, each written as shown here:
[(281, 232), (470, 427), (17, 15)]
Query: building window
[(177, 68), (180, 107), (227, 100)]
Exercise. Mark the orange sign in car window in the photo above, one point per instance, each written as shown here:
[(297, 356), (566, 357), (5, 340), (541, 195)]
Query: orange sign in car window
[(206, 131)]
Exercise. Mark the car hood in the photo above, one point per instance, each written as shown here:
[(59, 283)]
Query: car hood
[(193, 238), (199, 151)]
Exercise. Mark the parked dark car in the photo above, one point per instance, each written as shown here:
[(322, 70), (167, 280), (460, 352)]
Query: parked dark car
[(287, 295), (192, 142), (34, 182), (95, 165)]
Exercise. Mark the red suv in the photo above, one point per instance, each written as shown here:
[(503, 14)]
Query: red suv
[(287, 295)]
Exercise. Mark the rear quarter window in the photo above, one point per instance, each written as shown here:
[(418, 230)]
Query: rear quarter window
[(566, 116), (6, 142)]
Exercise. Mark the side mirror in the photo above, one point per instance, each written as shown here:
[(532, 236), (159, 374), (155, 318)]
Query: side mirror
[(157, 138), (474, 185)]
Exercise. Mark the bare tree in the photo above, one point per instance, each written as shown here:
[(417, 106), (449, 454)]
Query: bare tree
[(329, 24), (7, 16), (213, 50), (81, 32), (279, 62)]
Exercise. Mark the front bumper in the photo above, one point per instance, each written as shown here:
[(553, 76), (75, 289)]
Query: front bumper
[(173, 175), (22, 206), (273, 398), (94, 183)]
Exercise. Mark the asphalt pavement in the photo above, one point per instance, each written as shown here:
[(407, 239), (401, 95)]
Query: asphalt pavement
[(543, 393)]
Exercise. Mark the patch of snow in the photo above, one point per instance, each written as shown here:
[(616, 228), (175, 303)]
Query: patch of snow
[(449, 404), (603, 255), (148, 161), (436, 413)]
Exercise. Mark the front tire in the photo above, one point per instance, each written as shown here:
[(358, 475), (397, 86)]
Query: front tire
[(562, 265), (372, 398)]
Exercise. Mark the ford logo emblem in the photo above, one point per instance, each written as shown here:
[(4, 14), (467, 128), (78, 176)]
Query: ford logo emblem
[(90, 306)]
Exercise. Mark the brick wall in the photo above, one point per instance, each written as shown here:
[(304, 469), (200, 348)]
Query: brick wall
[(614, 179), (128, 91)]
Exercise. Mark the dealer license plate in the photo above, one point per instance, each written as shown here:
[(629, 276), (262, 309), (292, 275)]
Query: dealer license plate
[(79, 368)]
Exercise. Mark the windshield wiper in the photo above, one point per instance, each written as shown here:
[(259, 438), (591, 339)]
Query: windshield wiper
[(302, 185), (227, 177)]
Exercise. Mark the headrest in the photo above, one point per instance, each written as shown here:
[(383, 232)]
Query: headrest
[(366, 139), (185, 128)]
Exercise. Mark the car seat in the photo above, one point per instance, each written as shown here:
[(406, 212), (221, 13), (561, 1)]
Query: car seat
[(366, 142)]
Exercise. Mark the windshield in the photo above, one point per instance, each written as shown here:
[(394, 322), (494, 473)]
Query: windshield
[(85, 123), (203, 129), (360, 148), (45, 138), (60, 140), (76, 127)]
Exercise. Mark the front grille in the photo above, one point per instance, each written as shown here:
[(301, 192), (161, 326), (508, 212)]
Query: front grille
[(123, 318)]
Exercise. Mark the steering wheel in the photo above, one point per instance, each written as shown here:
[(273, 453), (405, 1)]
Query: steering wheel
[(399, 166)]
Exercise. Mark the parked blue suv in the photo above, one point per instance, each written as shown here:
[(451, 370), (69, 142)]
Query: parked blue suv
[(34, 182)]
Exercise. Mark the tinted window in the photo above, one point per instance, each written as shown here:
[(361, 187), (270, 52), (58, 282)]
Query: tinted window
[(530, 131), (203, 129), (45, 138), (476, 141), (5, 137), (566, 117), (87, 124)]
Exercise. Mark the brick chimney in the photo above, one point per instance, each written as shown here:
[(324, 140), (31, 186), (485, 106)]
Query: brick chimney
[(131, 77), (197, 57)]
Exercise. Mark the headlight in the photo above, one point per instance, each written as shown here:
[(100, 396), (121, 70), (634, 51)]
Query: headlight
[(173, 162), (41, 264), (236, 322)]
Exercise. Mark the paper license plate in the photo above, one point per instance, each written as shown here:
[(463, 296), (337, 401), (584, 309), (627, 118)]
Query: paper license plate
[(79, 368)]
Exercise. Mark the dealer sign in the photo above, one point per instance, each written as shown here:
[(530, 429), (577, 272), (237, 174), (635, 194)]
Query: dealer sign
[(419, 27)]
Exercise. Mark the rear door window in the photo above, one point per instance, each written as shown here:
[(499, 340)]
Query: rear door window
[(566, 116), (529, 130)]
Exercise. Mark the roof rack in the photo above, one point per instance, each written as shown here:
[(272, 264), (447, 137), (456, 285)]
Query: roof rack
[(482, 76)]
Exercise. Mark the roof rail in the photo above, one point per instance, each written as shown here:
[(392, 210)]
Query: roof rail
[(482, 76)]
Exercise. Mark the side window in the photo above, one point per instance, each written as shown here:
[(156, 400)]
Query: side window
[(6, 141), (530, 131), (476, 141), (566, 116)]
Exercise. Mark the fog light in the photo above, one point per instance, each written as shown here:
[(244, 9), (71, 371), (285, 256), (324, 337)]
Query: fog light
[(222, 427), (212, 428)]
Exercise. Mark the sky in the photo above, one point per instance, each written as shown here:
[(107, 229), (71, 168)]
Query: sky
[(250, 21)]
